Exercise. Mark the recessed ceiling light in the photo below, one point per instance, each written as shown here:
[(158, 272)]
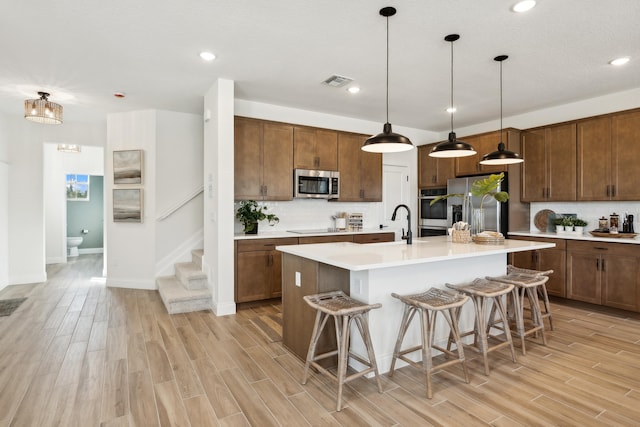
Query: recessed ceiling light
[(451, 110), (523, 6), (207, 56), (620, 61), (354, 89)]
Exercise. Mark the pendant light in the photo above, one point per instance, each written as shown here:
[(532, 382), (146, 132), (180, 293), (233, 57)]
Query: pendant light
[(452, 147), (502, 156), (387, 141), (42, 110)]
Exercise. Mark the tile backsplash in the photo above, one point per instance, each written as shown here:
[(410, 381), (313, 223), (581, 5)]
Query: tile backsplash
[(589, 211), (315, 214)]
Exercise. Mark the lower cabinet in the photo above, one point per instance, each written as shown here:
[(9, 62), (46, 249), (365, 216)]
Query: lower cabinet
[(544, 259), (259, 268), (258, 272), (604, 273)]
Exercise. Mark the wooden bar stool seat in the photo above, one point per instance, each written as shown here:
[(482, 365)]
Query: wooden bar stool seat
[(482, 292), (542, 290), (524, 284), (428, 304), (343, 310)]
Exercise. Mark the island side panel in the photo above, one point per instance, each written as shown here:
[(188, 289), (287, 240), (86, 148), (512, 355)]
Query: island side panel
[(297, 317), (376, 286)]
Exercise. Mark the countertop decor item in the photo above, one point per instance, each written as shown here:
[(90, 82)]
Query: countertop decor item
[(250, 213), (613, 235), (542, 219), (452, 147), (387, 141), (501, 156)]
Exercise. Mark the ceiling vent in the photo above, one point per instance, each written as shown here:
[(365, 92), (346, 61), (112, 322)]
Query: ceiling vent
[(337, 81)]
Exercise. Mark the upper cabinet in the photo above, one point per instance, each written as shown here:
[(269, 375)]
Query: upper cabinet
[(608, 154), (433, 172), (315, 148), (360, 171), (549, 168), (485, 144), (263, 160)]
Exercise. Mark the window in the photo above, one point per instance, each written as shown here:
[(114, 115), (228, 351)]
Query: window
[(77, 187)]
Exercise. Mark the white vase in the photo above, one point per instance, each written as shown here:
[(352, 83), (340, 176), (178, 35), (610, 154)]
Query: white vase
[(579, 229), (559, 228)]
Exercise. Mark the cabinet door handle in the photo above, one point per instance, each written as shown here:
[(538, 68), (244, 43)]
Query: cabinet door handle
[(597, 264), (613, 191), (608, 190), (600, 249), (602, 265)]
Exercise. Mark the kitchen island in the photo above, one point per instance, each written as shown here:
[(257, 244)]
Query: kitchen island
[(371, 272)]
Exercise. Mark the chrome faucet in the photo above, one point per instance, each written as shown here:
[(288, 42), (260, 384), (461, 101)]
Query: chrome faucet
[(406, 237)]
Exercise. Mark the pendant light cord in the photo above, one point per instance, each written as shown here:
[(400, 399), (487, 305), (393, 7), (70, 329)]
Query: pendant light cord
[(501, 101), (387, 70), (452, 111)]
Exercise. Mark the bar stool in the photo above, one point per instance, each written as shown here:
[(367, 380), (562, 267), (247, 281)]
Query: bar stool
[(542, 290), (428, 304), (524, 284), (343, 309), (481, 292)]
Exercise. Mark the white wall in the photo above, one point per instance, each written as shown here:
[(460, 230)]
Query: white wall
[(56, 164), (219, 190), (4, 202), (179, 154), (131, 246)]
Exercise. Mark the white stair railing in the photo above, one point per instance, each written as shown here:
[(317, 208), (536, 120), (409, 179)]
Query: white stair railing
[(180, 204)]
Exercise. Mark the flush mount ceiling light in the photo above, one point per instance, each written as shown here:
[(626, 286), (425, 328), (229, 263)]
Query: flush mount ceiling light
[(452, 147), (387, 141), (42, 110), (69, 148), (354, 89), (620, 61), (523, 6), (502, 156), (207, 56)]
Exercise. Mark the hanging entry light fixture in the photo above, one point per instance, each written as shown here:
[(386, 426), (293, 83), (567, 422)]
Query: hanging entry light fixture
[(387, 141), (42, 110), (452, 147), (502, 156)]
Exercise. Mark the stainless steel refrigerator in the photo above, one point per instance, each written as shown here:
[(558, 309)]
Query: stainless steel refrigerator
[(496, 215)]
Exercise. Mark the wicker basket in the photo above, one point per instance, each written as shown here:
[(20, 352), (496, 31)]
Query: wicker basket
[(461, 236)]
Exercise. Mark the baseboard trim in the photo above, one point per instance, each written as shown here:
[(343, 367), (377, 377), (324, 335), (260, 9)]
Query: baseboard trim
[(132, 284), (56, 260), (90, 251), (23, 280), (223, 309)]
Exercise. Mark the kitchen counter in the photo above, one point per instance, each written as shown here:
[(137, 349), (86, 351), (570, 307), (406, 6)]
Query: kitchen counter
[(371, 272), (309, 233), (570, 236)]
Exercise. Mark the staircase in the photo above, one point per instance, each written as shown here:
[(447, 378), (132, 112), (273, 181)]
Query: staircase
[(188, 290)]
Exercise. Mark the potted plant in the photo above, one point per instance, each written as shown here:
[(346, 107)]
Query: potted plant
[(250, 213), (485, 189), (558, 223), (567, 221), (579, 225)]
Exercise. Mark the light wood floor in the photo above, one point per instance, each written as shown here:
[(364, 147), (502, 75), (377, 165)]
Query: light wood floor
[(77, 353)]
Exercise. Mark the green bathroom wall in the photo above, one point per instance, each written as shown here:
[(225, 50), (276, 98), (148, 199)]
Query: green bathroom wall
[(88, 215)]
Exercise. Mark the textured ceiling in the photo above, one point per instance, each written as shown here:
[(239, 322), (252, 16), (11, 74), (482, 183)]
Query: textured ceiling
[(279, 51)]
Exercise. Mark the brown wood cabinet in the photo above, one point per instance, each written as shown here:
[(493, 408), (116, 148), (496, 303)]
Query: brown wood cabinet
[(433, 172), (608, 157), (373, 237), (544, 259), (259, 268), (484, 144), (315, 148), (263, 160), (360, 171), (604, 273), (549, 169)]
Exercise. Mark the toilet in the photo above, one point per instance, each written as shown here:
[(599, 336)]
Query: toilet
[(72, 245)]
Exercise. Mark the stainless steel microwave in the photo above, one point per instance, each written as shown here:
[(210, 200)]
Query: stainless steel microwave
[(315, 184)]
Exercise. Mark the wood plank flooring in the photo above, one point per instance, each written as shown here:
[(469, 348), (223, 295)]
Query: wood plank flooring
[(79, 354)]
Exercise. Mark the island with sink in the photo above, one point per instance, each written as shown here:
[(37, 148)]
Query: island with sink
[(371, 272)]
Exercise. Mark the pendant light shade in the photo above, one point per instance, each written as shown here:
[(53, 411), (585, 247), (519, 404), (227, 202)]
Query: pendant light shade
[(387, 141), (42, 110), (502, 156), (452, 147)]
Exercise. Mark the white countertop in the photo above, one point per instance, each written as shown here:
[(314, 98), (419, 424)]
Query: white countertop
[(572, 236), (356, 257), (280, 234)]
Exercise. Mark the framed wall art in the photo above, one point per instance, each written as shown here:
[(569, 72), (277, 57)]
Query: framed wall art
[(127, 167), (127, 205)]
